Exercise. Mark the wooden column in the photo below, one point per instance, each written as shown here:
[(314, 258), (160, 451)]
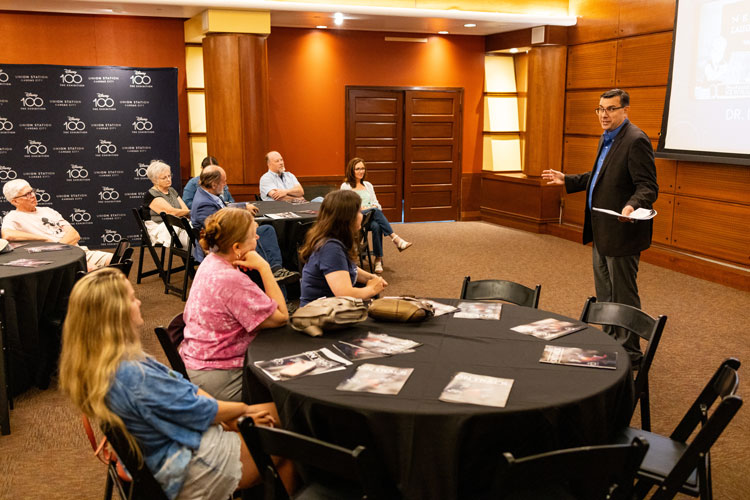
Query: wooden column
[(544, 109), (236, 80)]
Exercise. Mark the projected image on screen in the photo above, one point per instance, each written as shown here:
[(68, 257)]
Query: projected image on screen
[(707, 113)]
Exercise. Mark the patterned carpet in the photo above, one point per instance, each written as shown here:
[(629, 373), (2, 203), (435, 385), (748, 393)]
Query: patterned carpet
[(47, 455)]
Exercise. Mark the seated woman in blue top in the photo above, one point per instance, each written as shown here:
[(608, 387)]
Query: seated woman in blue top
[(379, 225), (176, 428), (330, 249)]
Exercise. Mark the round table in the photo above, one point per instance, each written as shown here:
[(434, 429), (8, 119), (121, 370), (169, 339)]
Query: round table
[(434, 449), (36, 300)]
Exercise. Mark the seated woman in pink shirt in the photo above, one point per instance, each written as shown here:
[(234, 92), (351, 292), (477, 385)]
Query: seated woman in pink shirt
[(225, 308)]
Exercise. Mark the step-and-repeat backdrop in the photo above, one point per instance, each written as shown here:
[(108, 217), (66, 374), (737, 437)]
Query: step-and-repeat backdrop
[(83, 136)]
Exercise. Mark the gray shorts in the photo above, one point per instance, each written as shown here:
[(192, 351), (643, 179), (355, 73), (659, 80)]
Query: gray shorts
[(224, 385), (215, 469)]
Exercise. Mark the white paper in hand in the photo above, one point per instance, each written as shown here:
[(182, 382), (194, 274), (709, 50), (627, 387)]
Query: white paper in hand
[(639, 214)]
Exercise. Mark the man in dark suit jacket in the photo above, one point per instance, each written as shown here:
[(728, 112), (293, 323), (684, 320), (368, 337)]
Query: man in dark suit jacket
[(212, 181), (623, 179)]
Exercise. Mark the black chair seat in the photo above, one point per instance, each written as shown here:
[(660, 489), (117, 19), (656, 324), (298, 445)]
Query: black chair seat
[(662, 454)]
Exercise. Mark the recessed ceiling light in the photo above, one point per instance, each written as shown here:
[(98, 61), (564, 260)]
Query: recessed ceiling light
[(321, 27), (442, 32), (470, 25), (338, 18)]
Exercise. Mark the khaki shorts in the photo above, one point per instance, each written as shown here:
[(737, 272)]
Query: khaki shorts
[(215, 469), (224, 385)]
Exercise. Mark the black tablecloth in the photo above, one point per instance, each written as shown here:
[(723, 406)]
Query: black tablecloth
[(36, 300), (290, 232), (433, 449)]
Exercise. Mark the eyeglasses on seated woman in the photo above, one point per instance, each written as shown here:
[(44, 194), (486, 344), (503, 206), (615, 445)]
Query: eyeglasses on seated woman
[(379, 225), (330, 250)]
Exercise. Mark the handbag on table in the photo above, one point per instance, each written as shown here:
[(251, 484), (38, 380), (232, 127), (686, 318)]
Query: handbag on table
[(403, 309), (328, 313)]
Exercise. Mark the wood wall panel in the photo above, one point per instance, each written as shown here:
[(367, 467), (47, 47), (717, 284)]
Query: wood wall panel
[(645, 16), (646, 105), (712, 228), (664, 207), (591, 65), (598, 20), (573, 209), (579, 154), (666, 173), (715, 181), (579, 112), (471, 187), (643, 60)]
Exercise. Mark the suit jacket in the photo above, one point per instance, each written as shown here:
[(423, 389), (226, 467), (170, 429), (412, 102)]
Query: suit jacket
[(627, 177), (203, 206)]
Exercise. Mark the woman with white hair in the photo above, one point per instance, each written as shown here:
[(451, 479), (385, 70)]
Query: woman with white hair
[(162, 197)]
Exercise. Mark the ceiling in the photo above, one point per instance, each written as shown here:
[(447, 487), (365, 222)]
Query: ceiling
[(309, 15)]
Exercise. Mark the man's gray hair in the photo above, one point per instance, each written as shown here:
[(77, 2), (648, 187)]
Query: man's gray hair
[(155, 169), (12, 188)]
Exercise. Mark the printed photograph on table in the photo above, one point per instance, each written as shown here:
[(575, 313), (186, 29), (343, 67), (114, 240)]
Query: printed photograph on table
[(306, 363), (378, 379), (385, 344), (548, 329), (575, 356), (479, 310), (354, 352), (283, 215), (27, 263), (47, 248), (477, 390)]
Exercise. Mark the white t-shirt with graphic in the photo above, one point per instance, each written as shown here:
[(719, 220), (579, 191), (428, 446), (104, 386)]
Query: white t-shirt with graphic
[(43, 222)]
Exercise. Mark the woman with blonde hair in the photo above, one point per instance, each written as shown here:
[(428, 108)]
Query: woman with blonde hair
[(330, 250), (173, 425), (379, 225), (226, 309)]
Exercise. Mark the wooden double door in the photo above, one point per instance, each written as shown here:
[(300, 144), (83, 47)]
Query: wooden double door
[(411, 142)]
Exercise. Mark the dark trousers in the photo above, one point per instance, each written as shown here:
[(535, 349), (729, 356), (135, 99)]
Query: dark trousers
[(615, 281)]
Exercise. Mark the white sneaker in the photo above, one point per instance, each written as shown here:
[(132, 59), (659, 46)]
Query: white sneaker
[(378, 268)]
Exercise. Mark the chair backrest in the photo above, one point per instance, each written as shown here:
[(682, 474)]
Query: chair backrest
[(723, 387), (589, 472), (140, 218), (119, 254), (124, 266), (508, 291), (174, 223), (634, 320), (143, 485), (170, 339), (356, 464), (366, 219)]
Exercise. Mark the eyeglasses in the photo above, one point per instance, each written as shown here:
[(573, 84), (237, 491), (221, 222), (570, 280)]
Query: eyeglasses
[(30, 194), (609, 110), (360, 169)]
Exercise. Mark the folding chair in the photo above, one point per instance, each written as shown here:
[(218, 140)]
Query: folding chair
[(170, 339), (508, 291), (143, 485), (158, 259), (589, 472), (174, 226), (638, 322), (6, 398), (125, 266), (117, 477), (675, 465), (123, 251), (364, 240), (346, 465)]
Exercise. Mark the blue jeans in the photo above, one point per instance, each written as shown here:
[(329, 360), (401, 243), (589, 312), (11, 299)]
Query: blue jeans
[(268, 246), (379, 226)]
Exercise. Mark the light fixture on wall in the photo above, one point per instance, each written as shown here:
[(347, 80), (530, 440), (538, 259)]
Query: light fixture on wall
[(321, 27), (442, 32), (470, 25), (338, 18)]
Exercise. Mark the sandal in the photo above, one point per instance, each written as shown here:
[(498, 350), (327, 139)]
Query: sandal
[(401, 244)]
